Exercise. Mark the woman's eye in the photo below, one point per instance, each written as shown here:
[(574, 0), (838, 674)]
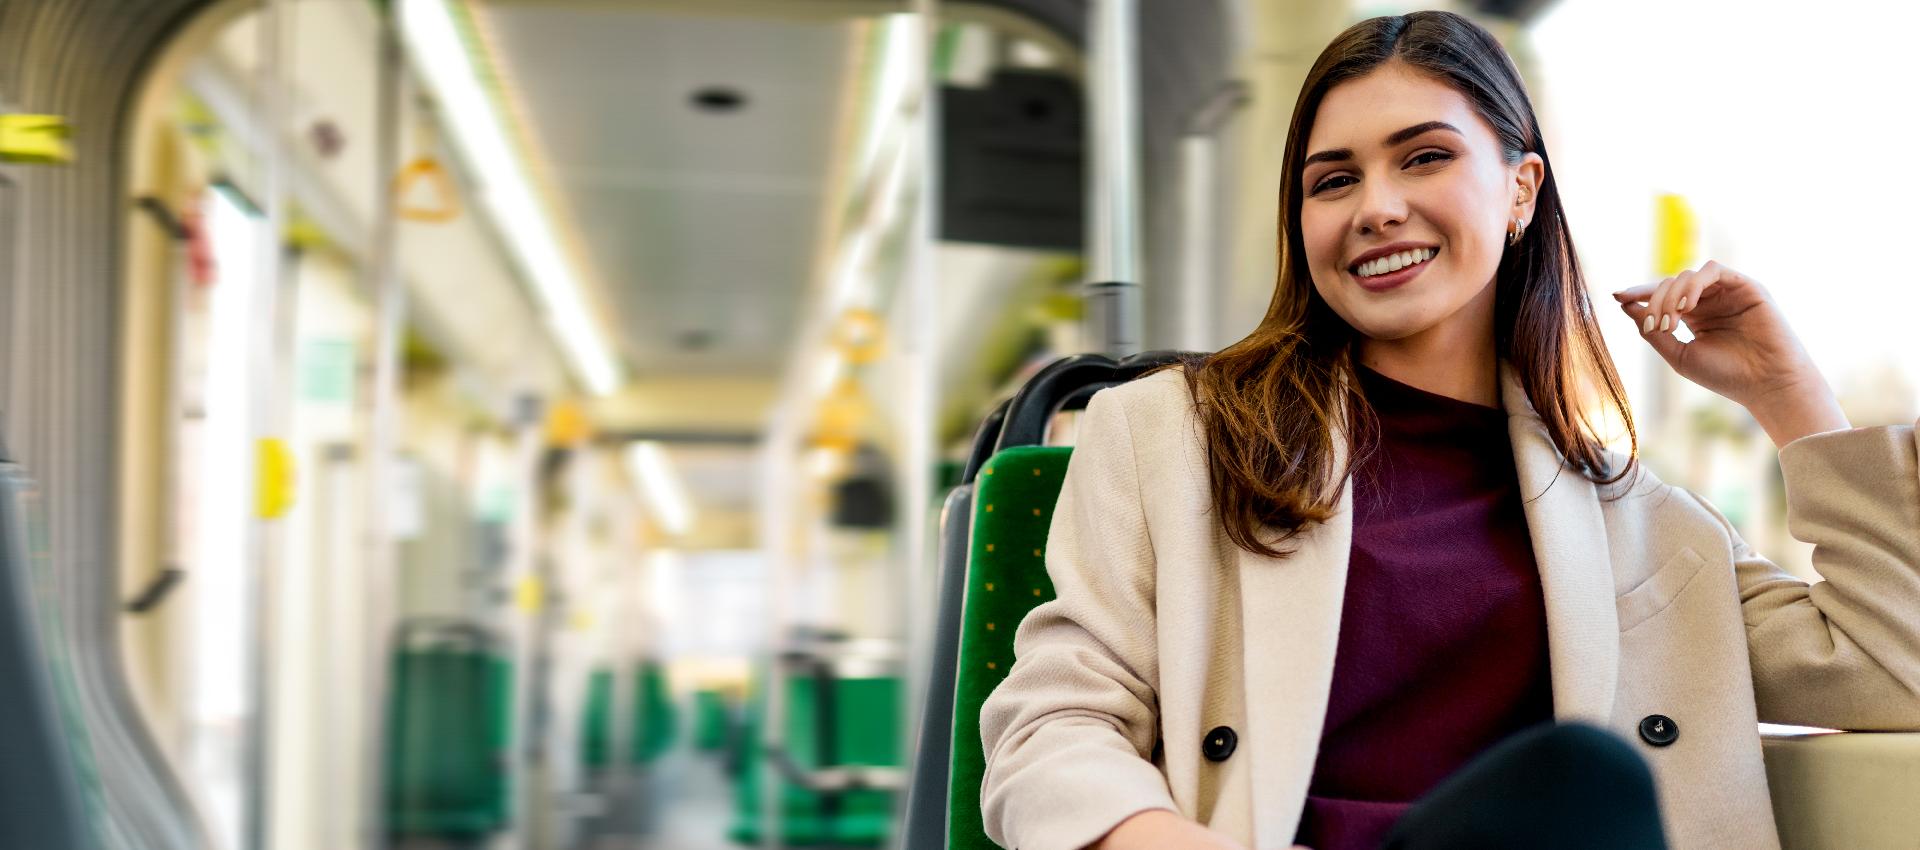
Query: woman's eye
[(1330, 183), (1436, 156)]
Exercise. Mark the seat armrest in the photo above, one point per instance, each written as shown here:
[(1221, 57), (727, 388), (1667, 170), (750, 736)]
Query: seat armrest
[(1844, 789)]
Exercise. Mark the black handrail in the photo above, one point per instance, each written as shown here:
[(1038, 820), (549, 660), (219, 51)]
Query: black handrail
[(984, 440), (1068, 383)]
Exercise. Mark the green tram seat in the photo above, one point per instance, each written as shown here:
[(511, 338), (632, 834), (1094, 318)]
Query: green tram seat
[(1006, 578), (992, 572), (656, 719), (712, 721), (596, 722), (855, 724), (864, 729), (449, 724)]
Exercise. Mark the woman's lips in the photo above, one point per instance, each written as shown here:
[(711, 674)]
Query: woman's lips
[(1384, 282)]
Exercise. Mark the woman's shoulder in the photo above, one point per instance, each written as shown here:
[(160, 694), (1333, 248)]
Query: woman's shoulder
[(1165, 389), (1158, 410), (1156, 399)]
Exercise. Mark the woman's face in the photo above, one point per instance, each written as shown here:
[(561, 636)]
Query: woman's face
[(1400, 162)]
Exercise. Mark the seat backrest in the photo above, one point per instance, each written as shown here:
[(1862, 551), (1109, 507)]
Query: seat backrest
[(926, 815), (39, 758), (449, 721), (656, 720), (1007, 576)]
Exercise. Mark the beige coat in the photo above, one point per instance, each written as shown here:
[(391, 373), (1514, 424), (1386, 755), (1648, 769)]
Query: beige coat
[(1164, 630)]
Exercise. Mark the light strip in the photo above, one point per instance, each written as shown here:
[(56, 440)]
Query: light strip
[(504, 188), (665, 494)]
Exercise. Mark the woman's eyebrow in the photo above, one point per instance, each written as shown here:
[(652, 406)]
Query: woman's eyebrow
[(1344, 154)]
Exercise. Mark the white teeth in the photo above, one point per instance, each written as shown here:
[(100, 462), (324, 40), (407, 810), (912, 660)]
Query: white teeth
[(1394, 262)]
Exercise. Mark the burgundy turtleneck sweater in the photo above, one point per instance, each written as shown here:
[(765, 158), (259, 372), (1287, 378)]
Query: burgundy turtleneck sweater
[(1443, 632)]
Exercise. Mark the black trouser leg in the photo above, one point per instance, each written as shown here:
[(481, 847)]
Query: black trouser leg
[(1568, 787)]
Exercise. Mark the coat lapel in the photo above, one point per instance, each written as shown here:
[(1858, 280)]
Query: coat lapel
[(1570, 544), (1290, 628)]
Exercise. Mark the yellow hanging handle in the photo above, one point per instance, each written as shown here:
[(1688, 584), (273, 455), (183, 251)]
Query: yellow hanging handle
[(273, 494), (36, 139), (429, 171)]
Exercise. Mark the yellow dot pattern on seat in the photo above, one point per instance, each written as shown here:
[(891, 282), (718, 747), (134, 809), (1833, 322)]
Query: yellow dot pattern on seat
[(1009, 547)]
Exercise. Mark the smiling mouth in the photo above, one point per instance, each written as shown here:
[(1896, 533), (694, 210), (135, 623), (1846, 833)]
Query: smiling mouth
[(1382, 266)]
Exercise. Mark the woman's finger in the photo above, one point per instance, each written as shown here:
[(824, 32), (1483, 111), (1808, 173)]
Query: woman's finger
[(1636, 293), (1689, 300), (1651, 321), (1665, 317), (1664, 343)]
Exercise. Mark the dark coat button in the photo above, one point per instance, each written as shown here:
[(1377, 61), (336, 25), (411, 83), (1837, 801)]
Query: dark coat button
[(1219, 744), (1659, 730)]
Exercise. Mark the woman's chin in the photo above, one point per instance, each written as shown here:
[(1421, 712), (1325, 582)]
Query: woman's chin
[(1388, 330)]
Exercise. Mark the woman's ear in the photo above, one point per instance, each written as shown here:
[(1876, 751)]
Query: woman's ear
[(1527, 177)]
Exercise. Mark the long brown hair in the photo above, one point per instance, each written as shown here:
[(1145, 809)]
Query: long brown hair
[(1273, 404)]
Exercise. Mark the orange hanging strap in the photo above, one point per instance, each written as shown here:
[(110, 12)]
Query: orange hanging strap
[(444, 206)]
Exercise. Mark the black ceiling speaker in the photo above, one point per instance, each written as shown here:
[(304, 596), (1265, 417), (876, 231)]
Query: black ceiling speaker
[(718, 99), (1013, 162), (864, 499)]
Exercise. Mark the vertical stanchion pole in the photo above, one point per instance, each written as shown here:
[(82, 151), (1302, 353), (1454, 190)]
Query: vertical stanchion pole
[(1199, 217), (1113, 140), (267, 416), (1197, 229), (383, 431), (920, 376)]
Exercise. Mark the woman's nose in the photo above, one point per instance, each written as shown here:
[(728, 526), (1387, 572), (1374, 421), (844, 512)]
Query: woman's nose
[(1381, 206)]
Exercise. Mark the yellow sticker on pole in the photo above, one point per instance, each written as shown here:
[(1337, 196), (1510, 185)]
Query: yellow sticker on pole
[(273, 495), (1676, 235), (530, 594), (38, 139)]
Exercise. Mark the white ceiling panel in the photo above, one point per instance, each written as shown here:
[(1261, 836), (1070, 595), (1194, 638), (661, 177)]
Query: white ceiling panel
[(701, 225)]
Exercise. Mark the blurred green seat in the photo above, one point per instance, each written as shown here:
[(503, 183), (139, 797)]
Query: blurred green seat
[(448, 726), (862, 731), (712, 721), (596, 721), (655, 718)]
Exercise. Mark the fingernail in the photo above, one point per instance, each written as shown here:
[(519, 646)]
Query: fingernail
[(1646, 327), (1682, 307), (1665, 321)]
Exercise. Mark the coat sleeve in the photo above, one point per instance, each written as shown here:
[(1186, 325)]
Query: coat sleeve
[(1067, 734), (1844, 652)]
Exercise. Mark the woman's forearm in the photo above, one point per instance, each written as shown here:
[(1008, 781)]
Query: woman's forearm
[(1159, 828)]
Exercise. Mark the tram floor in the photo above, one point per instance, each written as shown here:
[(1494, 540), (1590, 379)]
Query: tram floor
[(684, 802), (689, 806)]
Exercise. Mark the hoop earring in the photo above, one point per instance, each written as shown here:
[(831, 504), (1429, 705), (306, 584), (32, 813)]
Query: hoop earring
[(1515, 229)]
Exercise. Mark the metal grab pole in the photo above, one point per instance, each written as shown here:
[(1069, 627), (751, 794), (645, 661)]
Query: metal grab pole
[(383, 436), (1113, 241), (268, 417), (1199, 211)]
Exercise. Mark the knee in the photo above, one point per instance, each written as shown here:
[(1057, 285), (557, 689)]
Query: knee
[(1589, 750)]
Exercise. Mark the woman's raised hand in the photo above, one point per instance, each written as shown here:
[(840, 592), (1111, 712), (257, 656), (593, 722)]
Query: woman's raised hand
[(1742, 348)]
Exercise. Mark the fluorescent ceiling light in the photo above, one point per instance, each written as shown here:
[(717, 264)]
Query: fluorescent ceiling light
[(893, 78), (660, 485), (504, 188)]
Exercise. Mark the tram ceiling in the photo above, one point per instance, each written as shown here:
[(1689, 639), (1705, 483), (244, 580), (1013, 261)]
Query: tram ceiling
[(700, 222)]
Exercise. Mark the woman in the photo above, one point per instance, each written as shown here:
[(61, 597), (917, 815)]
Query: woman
[(1303, 581)]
